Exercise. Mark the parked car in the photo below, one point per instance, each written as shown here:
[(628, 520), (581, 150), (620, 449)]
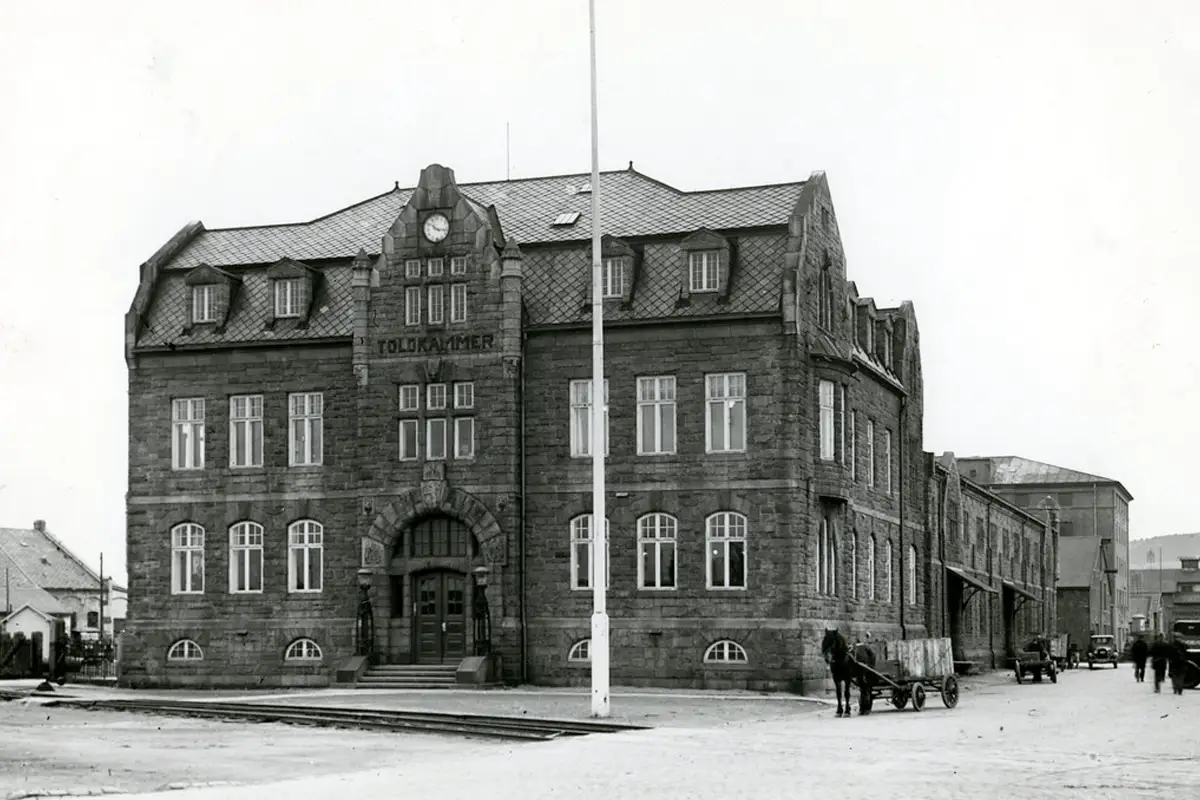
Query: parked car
[(1102, 649)]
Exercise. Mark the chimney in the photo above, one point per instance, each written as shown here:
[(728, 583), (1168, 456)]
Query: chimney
[(39, 525)]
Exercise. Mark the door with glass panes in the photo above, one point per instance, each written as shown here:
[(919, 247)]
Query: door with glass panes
[(441, 617)]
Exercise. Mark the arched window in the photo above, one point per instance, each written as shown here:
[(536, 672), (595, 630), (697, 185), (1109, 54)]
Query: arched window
[(580, 652), (887, 570), (245, 558), (440, 536), (303, 650), (656, 551), (912, 575), (852, 540), (187, 559), (826, 557), (871, 568), (185, 650), (582, 551), (725, 537), (725, 651), (306, 550)]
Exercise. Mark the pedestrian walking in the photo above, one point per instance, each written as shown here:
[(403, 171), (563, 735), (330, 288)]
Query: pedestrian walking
[(1139, 652), (1178, 666), (1161, 654)]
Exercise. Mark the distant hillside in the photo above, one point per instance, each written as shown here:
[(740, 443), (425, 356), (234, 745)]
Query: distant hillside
[(1173, 547)]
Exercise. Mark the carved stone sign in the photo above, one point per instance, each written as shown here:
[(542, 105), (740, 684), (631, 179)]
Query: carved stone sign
[(373, 554), (434, 486), (452, 343)]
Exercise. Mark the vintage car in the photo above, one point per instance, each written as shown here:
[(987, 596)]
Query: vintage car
[(1102, 649), (1036, 661)]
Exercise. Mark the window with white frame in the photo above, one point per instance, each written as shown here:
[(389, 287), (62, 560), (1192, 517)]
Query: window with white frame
[(289, 299), (185, 650), (853, 421), (245, 558), (302, 650), (187, 439), (887, 571), (826, 421), (435, 397), (704, 267), (458, 302), (204, 303), (842, 423), (870, 454), (580, 652), (826, 557), (912, 575), (412, 268), (464, 395), (581, 418), (246, 430), (852, 582), (458, 265), (871, 568), (436, 267), (725, 397), (887, 460), (725, 651), (613, 278), (412, 305), (187, 559), (410, 403), (656, 536), (437, 304), (464, 437), (306, 550), (583, 549), (656, 415), (725, 537), (435, 438), (306, 428)]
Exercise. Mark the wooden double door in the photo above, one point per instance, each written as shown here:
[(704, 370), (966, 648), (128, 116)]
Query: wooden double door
[(441, 618)]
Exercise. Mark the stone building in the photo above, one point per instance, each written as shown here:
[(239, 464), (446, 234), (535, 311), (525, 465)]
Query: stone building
[(405, 384), (991, 568)]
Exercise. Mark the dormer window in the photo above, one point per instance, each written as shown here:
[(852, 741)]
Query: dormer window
[(705, 269), (204, 303), (289, 300), (885, 347), (613, 278), (825, 302), (870, 335)]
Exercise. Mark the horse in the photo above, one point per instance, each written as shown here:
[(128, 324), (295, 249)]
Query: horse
[(843, 663)]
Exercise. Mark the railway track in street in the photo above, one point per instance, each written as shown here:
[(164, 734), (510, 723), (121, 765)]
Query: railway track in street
[(437, 722)]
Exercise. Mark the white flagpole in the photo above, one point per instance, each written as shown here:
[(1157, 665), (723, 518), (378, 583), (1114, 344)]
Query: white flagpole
[(599, 646)]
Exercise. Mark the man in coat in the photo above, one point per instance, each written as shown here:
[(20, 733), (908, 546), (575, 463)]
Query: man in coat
[(1161, 653), (1140, 651), (1178, 666)]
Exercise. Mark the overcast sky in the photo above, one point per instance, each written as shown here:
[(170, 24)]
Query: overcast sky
[(1027, 175)]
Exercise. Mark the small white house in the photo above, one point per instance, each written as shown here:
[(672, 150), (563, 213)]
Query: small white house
[(28, 620)]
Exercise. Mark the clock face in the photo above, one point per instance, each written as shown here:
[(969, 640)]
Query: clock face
[(436, 227)]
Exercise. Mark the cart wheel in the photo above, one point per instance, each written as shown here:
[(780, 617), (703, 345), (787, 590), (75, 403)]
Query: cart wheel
[(865, 699), (950, 691), (899, 698), (1017, 669), (918, 696)]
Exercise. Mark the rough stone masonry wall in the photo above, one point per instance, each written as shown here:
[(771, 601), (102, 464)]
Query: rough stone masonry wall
[(243, 636)]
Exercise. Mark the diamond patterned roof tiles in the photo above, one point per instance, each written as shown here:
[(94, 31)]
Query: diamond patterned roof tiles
[(45, 561)]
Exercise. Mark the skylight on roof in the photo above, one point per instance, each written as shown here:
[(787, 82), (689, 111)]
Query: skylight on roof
[(585, 188), (566, 218)]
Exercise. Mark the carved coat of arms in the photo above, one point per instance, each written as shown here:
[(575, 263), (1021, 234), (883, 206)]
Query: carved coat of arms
[(434, 486)]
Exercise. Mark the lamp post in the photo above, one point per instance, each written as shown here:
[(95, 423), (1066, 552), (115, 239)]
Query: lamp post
[(483, 616), (365, 624)]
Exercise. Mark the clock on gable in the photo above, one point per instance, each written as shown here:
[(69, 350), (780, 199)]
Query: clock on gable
[(436, 227)]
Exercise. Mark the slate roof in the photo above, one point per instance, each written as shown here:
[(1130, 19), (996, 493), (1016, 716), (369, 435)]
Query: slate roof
[(632, 205), (1015, 470), (18, 589), (46, 561), (1077, 561)]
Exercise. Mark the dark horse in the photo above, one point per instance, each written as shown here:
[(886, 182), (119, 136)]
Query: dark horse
[(843, 661)]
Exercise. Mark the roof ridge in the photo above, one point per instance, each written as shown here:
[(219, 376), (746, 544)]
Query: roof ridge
[(70, 554), (308, 222)]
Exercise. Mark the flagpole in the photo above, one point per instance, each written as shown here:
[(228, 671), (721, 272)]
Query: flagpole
[(599, 644)]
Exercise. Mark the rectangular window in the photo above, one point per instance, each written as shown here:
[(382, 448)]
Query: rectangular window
[(436, 265), (464, 395), (410, 397), (704, 267), (288, 297), (581, 418), (725, 396), (726, 543), (245, 558), (887, 460), (852, 539), (842, 423), (435, 397), (656, 535), (412, 305), (246, 431), (826, 420), (656, 415), (464, 437), (437, 304), (613, 278), (204, 303), (435, 439), (306, 557), (412, 268), (458, 302), (187, 560), (306, 429), (409, 447), (853, 449), (870, 454), (187, 440), (458, 265)]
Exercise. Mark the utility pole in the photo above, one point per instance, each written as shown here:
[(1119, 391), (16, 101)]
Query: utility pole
[(100, 619)]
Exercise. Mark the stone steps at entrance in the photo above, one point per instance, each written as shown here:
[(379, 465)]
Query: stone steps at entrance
[(409, 676)]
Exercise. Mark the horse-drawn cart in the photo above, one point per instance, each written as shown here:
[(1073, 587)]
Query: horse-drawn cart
[(1036, 661), (911, 668)]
